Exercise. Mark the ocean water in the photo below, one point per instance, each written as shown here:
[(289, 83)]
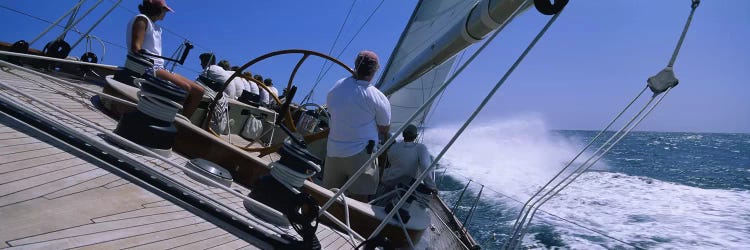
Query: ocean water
[(654, 190)]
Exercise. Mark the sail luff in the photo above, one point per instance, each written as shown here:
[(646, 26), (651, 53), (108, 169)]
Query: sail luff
[(400, 41), (437, 31), (480, 19)]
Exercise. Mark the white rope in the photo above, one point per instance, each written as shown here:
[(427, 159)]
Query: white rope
[(294, 180), (345, 227), (346, 215), (104, 47), (291, 179), (157, 106)]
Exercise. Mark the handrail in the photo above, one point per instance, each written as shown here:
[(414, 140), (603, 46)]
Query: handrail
[(105, 66), (456, 174)]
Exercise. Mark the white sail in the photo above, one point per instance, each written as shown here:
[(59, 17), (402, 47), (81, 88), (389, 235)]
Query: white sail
[(436, 32), (409, 98)]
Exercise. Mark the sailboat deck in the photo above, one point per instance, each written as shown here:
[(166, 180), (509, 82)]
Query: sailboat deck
[(53, 195)]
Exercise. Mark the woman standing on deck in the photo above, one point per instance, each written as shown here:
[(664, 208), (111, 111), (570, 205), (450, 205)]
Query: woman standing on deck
[(144, 34)]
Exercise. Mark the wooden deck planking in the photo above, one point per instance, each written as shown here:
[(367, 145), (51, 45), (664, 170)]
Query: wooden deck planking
[(96, 182), (81, 185), (32, 188), (32, 171), (148, 238), (48, 196), (328, 239), (337, 243), (209, 243), (235, 244), (19, 148), (17, 141), (184, 240)]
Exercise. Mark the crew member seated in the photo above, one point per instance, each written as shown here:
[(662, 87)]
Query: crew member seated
[(408, 160), (212, 76), (217, 74), (250, 94), (265, 99), (144, 35)]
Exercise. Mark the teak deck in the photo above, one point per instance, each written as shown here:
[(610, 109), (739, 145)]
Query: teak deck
[(55, 196)]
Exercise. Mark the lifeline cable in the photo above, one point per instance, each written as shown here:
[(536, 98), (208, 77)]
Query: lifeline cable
[(658, 84)]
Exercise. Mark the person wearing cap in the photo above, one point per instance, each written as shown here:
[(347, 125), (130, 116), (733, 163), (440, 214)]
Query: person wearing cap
[(144, 35), (408, 160), (360, 117)]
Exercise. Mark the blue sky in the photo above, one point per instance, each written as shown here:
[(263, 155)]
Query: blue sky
[(590, 64)]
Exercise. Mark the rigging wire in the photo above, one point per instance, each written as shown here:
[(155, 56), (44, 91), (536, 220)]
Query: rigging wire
[(73, 11), (74, 29), (335, 40), (459, 132), (429, 116), (71, 18), (309, 95), (658, 85), (29, 15), (390, 140)]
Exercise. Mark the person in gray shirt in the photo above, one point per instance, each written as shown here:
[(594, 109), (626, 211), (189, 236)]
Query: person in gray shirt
[(408, 160)]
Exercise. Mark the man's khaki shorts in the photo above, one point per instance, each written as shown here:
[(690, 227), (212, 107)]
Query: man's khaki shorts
[(339, 169)]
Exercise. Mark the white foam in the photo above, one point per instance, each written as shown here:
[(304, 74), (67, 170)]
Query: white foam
[(647, 211), (517, 156), (506, 153)]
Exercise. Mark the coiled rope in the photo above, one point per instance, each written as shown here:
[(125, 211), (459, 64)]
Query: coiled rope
[(291, 179), (156, 106)]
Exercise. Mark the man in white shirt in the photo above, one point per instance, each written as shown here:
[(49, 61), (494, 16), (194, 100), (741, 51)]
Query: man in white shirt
[(360, 116), (269, 83), (408, 160), (252, 87), (217, 74), (265, 99)]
